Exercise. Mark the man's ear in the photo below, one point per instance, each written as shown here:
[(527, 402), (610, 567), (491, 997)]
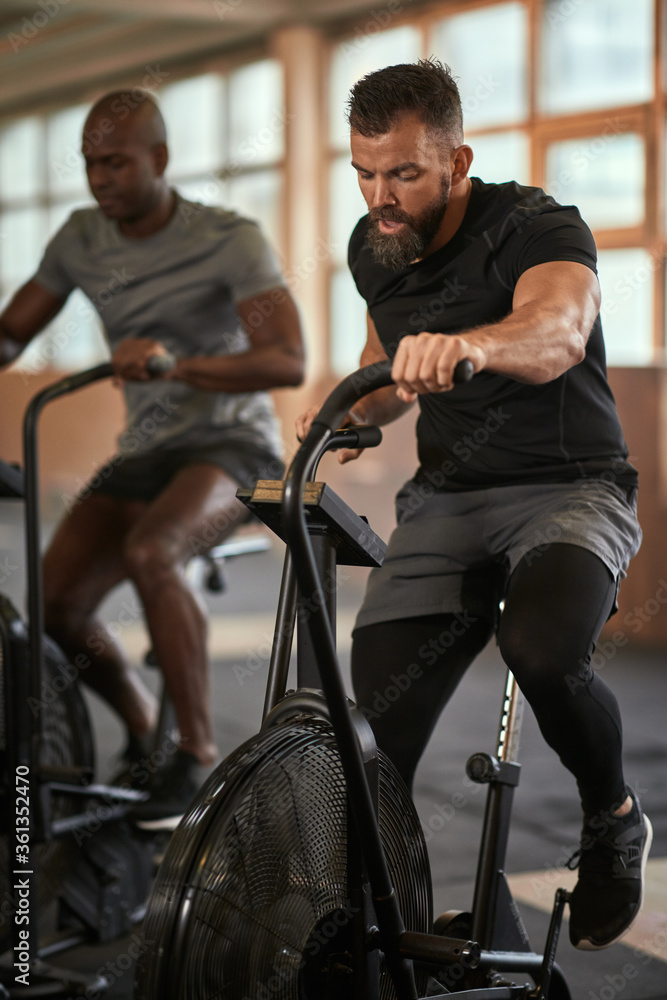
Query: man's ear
[(160, 155), (461, 162)]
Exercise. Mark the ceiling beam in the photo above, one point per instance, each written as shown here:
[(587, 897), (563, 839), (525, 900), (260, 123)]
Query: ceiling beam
[(194, 11), (125, 52)]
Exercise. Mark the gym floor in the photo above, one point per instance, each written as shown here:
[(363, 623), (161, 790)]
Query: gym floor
[(546, 816)]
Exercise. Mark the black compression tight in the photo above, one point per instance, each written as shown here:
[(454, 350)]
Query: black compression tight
[(556, 603)]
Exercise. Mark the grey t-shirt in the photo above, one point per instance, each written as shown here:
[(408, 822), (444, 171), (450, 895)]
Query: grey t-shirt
[(179, 286)]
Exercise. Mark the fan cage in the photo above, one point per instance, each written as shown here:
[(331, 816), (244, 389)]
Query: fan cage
[(255, 879), (67, 741)]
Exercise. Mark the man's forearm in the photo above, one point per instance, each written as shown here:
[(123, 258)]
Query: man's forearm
[(382, 406), (251, 371), (529, 347), (379, 408)]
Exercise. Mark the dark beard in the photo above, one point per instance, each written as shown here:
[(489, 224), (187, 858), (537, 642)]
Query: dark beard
[(396, 252)]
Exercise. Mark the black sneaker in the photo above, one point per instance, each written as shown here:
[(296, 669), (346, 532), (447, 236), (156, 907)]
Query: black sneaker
[(173, 789), (609, 893), (137, 750)]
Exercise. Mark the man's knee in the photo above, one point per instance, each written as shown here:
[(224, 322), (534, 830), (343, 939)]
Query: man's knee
[(148, 558), (540, 663), (63, 614)]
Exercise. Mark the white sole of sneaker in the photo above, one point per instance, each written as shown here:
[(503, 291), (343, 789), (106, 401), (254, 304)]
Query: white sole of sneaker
[(167, 823), (587, 945)]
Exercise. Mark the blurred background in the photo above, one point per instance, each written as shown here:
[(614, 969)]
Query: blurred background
[(565, 94)]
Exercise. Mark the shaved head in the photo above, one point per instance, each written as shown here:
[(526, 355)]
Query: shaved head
[(135, 109)]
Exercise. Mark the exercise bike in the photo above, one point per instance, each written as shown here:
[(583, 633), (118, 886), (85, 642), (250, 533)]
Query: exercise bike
[(300, 871), (73, 870)]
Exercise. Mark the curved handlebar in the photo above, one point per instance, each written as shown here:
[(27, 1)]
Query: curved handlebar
[(363, 382)]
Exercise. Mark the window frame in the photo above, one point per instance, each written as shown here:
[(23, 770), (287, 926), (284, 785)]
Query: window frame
[(647, 119)]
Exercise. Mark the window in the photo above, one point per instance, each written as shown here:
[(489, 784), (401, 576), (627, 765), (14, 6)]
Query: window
[(488, 54), (596, 54), (230, 153), (226, 139), (555, 93), (42, 180), (501, 156), (603, 175), (626, 283)]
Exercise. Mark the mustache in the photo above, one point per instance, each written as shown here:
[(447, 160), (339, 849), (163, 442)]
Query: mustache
[(388, 214)]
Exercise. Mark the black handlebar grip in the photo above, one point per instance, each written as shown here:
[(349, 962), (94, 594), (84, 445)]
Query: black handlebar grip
[(359, 436), (160, 364), (464, 371)]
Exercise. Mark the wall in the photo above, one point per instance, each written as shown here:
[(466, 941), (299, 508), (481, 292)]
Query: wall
[(641, 397), (76, 433)]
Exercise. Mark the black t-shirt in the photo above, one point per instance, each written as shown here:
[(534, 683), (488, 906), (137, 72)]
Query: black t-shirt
[(495, 431)]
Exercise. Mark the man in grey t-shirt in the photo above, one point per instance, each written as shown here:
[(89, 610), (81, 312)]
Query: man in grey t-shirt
[(166, 276)]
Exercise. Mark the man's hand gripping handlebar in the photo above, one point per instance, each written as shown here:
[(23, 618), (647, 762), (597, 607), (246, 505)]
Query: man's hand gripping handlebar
[(354, 387)]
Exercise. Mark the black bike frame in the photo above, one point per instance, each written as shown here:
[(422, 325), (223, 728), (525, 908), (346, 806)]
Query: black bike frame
[(400, 947)]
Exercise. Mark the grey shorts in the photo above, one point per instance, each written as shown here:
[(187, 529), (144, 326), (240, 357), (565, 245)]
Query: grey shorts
[(455, 551), (144, 477)]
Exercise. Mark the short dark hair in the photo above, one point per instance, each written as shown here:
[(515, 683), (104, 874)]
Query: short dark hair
[(426, 88)]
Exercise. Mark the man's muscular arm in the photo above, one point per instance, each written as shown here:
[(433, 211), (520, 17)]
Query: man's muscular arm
[(28, 312), (275, 356), (553, 311)]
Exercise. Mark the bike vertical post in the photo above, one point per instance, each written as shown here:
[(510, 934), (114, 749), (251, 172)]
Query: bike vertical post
[(281, 647), (29, 722), (324, 551), (491, 894)]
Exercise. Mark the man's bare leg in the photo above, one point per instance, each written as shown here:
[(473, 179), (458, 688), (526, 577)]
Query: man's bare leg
[(82, 565), (198, 508)]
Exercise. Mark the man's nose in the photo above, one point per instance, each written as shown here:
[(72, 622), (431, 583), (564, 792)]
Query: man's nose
[(383, 193), (98, 178)]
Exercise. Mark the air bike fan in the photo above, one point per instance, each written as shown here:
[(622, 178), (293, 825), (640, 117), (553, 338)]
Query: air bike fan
[(300, 871)]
